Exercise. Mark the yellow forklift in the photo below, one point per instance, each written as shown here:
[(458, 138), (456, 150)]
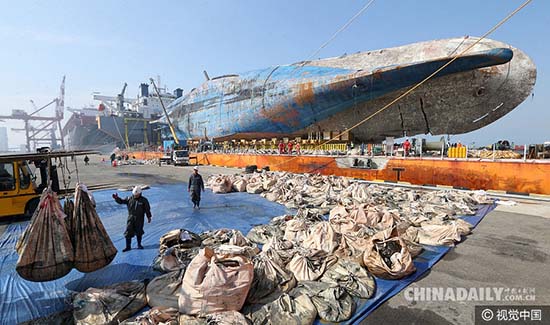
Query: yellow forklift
[(19, 192)]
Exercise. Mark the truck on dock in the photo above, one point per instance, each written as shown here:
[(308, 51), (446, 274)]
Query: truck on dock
[(178, 157)]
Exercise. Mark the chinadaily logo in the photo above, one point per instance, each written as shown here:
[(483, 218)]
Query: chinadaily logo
[(469, 294)]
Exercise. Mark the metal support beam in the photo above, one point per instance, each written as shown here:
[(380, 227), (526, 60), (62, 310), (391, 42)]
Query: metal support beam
[(145, 138), (27, 135), (165, 113), (42, 129), (61, 134), (127, 142), (41, 108), (27, 117)]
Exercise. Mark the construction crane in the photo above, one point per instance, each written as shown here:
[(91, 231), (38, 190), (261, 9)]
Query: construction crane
[(47, 129), (120, 99), (115, 104), (174, 135)]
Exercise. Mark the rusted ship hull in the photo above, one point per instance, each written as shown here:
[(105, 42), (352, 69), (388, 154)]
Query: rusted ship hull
[(336, 93), (511, 175)]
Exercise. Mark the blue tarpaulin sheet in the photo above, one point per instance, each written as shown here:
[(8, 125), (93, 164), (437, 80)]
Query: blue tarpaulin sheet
[(385, 289), (22, 300)]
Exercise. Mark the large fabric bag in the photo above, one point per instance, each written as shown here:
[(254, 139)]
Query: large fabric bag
[(109, 305), (221, 184), (323, 237), (45, 248), (93, 248), (270, 280), (164, 290), (286, 310), (387, 256), (215, 283), (239, 185)]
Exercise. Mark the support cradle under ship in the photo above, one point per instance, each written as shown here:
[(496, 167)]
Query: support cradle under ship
[(477, 89)]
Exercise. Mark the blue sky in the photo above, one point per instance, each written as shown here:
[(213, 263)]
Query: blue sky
[(99, 45)]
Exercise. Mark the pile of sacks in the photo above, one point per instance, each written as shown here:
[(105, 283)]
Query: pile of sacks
[(229, 280), (58, 239), (251, 183), (370, 241), (318, 194), (315, 192), (308, 267)]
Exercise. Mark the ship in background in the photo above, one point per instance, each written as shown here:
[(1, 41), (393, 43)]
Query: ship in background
[(337, 93), (118, 121)]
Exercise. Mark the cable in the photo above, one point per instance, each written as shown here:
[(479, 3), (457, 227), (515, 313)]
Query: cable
[(61, 165), (346, 25), (118, 130), (500, 23), (436, 71), (341, 29), (48, 174), (76, 169)]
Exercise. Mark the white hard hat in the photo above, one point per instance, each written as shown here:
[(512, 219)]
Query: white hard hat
[(195, 168), (136, 190)]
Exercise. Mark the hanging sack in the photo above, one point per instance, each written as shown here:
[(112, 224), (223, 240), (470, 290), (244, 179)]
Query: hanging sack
[(45, 248), (93, 248)]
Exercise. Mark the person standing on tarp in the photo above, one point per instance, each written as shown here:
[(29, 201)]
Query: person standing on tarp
[(195, 186), (138, 207)]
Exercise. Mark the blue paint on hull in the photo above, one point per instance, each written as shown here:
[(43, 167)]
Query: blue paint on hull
[(287, 99)]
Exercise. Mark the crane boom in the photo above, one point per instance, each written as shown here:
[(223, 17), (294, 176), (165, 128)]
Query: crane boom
[(120, 99), (165, 113)]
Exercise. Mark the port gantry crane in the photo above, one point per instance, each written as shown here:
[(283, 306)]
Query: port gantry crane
[(39, 134)]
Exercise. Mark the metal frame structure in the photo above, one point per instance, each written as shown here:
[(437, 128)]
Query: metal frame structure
[(43, 134)]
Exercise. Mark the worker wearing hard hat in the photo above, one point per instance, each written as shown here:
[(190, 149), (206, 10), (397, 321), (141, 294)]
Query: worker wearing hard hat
[(195, 186), (138, 207)]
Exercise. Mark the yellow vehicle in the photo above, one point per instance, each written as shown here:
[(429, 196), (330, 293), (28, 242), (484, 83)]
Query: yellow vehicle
[(19, 193)]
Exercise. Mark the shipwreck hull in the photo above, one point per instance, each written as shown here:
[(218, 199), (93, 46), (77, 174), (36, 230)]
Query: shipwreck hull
[(452, 104), (337, 93)]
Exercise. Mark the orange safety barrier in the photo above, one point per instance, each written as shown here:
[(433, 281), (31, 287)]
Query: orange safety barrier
[(512, 176), (145, 155)]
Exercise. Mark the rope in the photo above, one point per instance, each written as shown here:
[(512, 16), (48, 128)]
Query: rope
[(48, 177), (500, 23), (76, 169), (118, 130), (63, 166), (459, 45), (346, 25)]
